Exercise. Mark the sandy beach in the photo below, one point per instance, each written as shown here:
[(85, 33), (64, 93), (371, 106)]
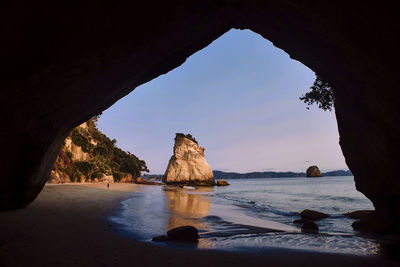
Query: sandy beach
[(67, 225)]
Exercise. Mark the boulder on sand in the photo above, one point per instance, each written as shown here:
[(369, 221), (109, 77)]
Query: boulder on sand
[(183, 233)]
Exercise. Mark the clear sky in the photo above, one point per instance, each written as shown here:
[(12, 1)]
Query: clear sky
[(239, 97)]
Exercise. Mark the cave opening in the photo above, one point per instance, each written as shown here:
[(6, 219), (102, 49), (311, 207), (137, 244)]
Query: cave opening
[(64, 64), (240, 96)]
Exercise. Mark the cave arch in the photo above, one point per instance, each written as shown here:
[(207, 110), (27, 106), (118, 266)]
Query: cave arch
[(64, 64)]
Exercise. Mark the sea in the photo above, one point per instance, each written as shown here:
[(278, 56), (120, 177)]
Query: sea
[(251, 215)]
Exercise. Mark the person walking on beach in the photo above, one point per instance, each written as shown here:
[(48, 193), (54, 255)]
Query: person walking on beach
[(108, 185)]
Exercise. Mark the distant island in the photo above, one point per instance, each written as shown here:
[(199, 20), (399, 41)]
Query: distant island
[(313, 171), (235, 175)]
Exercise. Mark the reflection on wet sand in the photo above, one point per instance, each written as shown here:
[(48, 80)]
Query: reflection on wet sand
[(187, 207)]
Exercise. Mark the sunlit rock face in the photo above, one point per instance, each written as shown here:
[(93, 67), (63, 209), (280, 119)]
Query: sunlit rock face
[(58, 73), (188, 164)]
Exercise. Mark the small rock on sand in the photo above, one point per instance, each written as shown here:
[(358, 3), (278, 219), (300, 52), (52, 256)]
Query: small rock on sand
[(309, 227)]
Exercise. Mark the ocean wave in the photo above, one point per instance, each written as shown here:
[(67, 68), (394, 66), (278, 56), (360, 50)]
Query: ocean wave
[(257, 207), (323, 243), (336, 198)]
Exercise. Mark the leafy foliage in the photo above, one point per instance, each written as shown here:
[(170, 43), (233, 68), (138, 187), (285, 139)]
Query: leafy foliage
[(321, 93), (66, 165), (69, 154), (104, 156), (79, 139), (188, 136), (83, 166)]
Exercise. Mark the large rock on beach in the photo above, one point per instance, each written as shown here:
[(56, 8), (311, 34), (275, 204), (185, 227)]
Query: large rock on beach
[(313, 171), (183, 233), (188, 165), (313, 215)]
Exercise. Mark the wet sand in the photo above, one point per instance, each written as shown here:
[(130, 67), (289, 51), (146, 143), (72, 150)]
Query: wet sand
[(67, 225)]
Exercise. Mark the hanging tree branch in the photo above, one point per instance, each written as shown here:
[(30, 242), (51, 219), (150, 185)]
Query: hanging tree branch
[(321, 93)]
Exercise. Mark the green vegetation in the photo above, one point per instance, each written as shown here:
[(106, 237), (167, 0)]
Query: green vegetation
[(69, 154), (188, 136), (104, 157), (66, 165), (79, 139), (321, 93)]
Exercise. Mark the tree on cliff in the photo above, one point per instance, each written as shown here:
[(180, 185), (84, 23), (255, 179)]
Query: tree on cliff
[(188, 136), (103, 156), (321, 93)]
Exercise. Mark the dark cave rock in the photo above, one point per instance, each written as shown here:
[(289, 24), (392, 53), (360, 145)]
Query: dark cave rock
[(58, 73)]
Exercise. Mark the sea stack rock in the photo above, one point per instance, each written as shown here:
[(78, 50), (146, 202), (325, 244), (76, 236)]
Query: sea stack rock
[(188, 165), (313, 171), (222, 182)]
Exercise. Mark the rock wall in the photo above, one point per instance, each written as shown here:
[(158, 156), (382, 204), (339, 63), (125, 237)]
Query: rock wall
[(58, 73), (76, 151), (188, 164), (90, 156), (58, 177)]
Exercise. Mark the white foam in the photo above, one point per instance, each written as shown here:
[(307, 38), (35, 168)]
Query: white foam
[(237, 215)]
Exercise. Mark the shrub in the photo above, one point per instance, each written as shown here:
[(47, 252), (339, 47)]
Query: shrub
[(81, 140), (188, 136)]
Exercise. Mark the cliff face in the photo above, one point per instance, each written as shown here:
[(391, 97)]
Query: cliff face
[(88, 155), (188, 165)]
